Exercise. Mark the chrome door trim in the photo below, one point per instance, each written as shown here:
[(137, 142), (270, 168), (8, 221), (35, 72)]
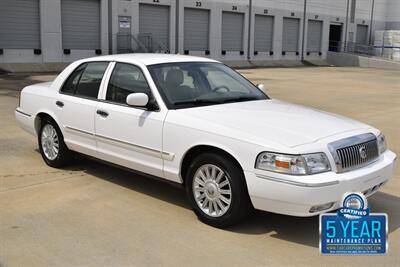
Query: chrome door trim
[(69, 128), (139, 148)]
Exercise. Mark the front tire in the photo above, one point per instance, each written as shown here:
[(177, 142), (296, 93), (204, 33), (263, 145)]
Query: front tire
[(217, 190), (51, 144)]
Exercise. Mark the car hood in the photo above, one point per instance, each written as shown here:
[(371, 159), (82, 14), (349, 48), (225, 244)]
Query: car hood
[(272, 120)]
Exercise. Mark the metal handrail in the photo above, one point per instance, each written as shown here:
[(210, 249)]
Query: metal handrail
[(142, 46), (355, 48), (155, 45), (143, 43)]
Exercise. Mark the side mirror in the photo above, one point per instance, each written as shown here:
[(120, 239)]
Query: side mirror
[(261, 86), (137, 99)]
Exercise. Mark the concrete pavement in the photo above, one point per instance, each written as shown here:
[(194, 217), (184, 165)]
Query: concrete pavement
[(92, 214)]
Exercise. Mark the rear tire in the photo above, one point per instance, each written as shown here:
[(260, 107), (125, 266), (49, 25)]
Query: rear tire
[(217, 190), (51, 144)]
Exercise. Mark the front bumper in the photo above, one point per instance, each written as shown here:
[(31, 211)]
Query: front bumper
[(295, 195)]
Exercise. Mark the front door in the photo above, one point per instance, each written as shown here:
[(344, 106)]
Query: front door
[(129, 136)]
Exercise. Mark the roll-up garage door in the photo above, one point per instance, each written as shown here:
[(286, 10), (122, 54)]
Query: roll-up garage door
[(80, 23), (263, 33), (362, 34), (19, 24), (232, 31), (314, 36), (154, 24), (196, 29), (290, 34)]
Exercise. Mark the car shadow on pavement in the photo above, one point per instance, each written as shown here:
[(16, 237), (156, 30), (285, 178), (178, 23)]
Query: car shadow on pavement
[(305, 230), (300, 230), (157, 188)]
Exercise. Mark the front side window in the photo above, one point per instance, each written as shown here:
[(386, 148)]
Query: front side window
[(189, 84), (126, 79), (85, 80)]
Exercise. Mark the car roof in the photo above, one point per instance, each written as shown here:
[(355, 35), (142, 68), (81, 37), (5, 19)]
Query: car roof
[(150, 58)]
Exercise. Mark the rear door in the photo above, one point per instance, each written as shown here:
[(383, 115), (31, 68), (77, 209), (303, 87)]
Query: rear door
[(76, 105)]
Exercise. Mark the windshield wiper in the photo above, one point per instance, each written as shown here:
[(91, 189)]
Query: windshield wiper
[(240, 99), (198, 101)]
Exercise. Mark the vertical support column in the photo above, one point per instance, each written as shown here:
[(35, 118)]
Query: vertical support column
[(173, 28), (372, 19), (249, 28), (215, 30), (177, 21), (50, 30), (304, 29), (346, 27), (104, 26), (278, 35), (110, 36)]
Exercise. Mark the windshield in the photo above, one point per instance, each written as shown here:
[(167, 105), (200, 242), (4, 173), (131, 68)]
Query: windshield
[(190, 84)]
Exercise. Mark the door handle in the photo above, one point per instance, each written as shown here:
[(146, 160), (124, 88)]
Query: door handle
[(102, 113), (60, 104)]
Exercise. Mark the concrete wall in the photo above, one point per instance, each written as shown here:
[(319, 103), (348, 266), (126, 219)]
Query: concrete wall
[(386, 14), (345, 59), (393, 15)]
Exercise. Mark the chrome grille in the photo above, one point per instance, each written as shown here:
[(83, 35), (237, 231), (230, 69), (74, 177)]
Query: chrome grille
[(354, 152), (351, 156)]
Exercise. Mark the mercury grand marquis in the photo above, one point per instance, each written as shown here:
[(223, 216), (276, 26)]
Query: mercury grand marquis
[(197, 122)]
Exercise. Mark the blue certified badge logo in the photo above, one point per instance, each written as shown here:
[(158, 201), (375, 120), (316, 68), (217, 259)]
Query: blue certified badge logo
[(353, 229), (354, 206)]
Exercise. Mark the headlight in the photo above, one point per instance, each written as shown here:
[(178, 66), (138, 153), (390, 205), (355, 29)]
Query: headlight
[(381, 143), (293, 164)]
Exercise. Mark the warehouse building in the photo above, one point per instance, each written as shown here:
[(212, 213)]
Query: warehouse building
[(265, 31)]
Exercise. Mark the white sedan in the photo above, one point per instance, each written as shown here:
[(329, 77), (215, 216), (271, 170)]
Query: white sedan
[(197, 122)]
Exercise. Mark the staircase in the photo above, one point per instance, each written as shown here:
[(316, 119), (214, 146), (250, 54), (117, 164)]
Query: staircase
[(139, 43)]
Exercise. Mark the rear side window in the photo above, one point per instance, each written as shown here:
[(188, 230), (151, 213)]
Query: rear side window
[(85, 80), (126, 79), (72, 81)]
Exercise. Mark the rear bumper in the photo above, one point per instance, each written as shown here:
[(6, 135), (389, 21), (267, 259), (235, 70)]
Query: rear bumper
[(25, 120), (296, 195)]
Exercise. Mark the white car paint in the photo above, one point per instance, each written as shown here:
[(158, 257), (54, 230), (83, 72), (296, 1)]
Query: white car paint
[(156, 142)]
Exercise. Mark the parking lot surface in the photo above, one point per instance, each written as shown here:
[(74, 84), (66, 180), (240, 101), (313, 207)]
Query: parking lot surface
[(93, 214)]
